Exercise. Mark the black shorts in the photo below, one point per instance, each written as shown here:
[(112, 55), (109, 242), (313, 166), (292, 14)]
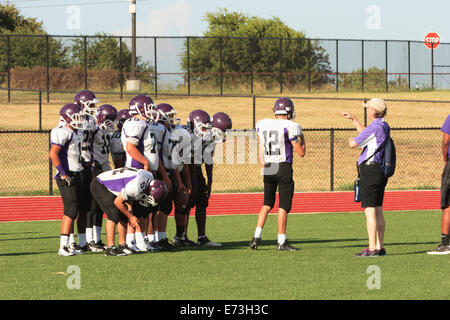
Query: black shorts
[(284, 182), (199, 197), (445, 186), (105, 200), (167, 205), (141, 211), (73, 195), (372, 183)]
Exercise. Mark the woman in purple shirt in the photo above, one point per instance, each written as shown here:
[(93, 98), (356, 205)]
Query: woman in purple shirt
[(372, 180)]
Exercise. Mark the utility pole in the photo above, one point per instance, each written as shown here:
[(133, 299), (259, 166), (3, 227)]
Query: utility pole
[(133, 84), (133, 39)]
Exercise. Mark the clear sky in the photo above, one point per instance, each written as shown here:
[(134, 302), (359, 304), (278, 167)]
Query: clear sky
[(347, 19)]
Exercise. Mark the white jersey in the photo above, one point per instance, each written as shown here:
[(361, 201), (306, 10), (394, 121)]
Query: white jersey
[(70, 142), (139, 133), (100, 148), (117, 149), (203, 149), (276, 135), (88, 137), (128, 182), (178, 149)]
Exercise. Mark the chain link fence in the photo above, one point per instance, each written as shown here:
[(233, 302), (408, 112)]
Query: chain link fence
[(221, 65), (329, 164)]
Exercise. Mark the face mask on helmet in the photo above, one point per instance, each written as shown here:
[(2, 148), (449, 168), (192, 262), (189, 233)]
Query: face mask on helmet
[(76, 120), (108, 125), (203, 130), (89, 107), (148, 112), (169, 117), (147, 201), (218, 135)]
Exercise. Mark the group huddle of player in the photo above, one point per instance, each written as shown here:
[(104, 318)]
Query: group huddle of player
[(157, 169)]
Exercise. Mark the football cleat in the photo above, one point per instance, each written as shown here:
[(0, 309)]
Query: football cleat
[(183, 241), (367, 253), (64, 251), (254, 243), (382, 252), (75, 249), (164, 245), (96, 247), (286, 246), (113, 251), (440, 250), (125, 249), (204, 241)]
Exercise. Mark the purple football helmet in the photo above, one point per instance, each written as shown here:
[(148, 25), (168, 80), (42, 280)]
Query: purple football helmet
[(122, 116), (106, 117), (199, 122), (155, 193), (167, 114), (221, 122), (143, 105), (87, 100), (72, 115), (284, 106)]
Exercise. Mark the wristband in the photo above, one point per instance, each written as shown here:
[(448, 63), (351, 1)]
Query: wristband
[(61, 170)]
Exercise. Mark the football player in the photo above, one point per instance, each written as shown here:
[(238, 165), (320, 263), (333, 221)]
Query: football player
[(141, 148), (177, 136), (117, 151), (203, 145), (105, 117), (65, 155), (114, 191), (87, 101), (278, 139)]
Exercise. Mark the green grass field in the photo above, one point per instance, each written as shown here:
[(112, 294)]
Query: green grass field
[(324, 269)]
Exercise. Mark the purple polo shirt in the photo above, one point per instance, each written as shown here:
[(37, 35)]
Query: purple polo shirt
[(446, 129), (371, 138)]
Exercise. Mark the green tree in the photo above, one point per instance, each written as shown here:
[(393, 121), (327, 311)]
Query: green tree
[(31, 50), (252, 53)]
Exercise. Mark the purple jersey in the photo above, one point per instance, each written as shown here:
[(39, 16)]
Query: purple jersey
[(370, 139), (446, 129)]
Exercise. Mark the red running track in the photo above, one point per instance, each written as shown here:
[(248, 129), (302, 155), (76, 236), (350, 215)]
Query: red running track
[(51, 208)]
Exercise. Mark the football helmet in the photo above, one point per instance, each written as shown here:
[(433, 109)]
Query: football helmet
[(284, 106), (143, 105), (167, 114), (221, 122), (200, 124), (87, 101), (122, 116), (106, 117), (72, 115), (155, 193)]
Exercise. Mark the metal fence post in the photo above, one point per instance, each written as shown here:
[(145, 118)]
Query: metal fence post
[(432, 66), (221, 65), (188, 68), (362, 65), (47, 58), (254, 112), (8, 49), (365, 113), (309, 65), (121, 67), (85, 63), (337, 65), (156, 68), (332, 159), (252, 44), (40, 109), (281, 65), (386, 69), (409, 65)]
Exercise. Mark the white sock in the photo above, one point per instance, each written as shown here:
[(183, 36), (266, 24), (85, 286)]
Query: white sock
[(151, 237), (71, 238), (281, 238), (82, 239), (156, 235), (161, 235), (140, 238), (64, 241), (129, 239), (89, 235), (97, 233), (258, 232)]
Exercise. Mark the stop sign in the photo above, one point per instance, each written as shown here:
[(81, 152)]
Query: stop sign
[(432, 40)]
